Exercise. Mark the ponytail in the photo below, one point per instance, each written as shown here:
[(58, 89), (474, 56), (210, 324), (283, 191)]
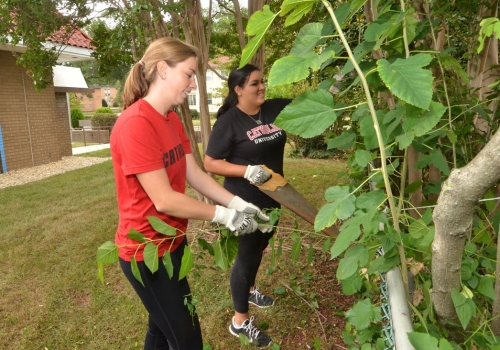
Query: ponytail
[(143, 73)]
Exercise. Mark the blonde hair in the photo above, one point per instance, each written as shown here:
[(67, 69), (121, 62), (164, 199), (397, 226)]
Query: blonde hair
[(143, 73)]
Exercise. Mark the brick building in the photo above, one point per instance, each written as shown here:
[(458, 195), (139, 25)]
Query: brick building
[(35, 126), (92, 101)]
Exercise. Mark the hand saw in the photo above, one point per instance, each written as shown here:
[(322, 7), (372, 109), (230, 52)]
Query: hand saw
[(282, 192)]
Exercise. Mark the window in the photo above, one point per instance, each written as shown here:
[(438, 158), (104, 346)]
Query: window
[(209, 75), (209, 99), (192, 100)]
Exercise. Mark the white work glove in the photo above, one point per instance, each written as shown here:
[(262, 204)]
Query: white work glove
[(235, 221), (257, 174), (245, 207)]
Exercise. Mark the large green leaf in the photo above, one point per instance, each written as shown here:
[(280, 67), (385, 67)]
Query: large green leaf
[(341, 208), (107, 253), (344, 141), (289, 5), (362, 157), (230, 246), (167, 262), (486, 287), (135, 270), (161, 226), (151, 256), (186, 262), (300, 10), (136, 235), (308, 38), (355, 257), (363, 313), (370, 199), (296, 249), (220, 257), (309, 114), (407, 79), (349, 232), (422, 121), (258, 25), (464, 307), (291, 69), (423, 341)]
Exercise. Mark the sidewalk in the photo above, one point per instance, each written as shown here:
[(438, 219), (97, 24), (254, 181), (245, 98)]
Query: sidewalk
[(86, 149)]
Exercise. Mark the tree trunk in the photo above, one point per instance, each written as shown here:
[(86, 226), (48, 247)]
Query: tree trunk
[(479, 68), (453, 221), (258, 59)]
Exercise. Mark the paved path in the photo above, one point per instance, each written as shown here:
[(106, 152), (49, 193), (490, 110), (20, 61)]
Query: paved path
[(86, 149)]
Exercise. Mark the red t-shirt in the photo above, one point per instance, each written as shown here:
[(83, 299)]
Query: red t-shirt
[(143, 140)]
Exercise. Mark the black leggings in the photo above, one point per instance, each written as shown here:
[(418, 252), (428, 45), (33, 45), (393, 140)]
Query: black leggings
[(171, 326), (245, 267)]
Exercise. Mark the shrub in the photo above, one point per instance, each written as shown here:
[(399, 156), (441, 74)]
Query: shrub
[(115, 104), (76, 115), (103, 119), (194, 113), (104, 103), (104, 110)]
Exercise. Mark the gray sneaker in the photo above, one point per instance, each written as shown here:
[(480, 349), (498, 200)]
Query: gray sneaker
[(254, 335), (260, 300)]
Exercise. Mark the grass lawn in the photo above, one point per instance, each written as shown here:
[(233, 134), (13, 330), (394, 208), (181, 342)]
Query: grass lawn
[(52, 298)]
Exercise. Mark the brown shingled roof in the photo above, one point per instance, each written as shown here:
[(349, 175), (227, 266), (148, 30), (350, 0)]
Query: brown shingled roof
[(77, 38)]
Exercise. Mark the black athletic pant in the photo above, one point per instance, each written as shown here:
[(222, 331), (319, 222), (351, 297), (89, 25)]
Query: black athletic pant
[(246, 265), (171, 326)]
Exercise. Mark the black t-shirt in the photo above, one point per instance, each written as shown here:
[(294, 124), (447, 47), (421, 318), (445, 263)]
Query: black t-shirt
[(237, 138)]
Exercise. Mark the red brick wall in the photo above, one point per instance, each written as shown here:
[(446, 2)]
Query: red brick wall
[(35, 124)]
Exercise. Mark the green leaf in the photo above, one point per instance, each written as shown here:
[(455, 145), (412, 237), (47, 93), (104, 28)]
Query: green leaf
[(308, 38), (107, 253), (296, 249), (486, 287), (354, 258), (370, 199), (167, 262), (205, 245), (136, 236), (352, 285), (186, 263), (422, 121), (341, 208), (464, 307), (418, 229), (161, 226), (407, 80), (230, 247), (349, 232), (362, 314), (362, 157), (413, 187), (289, 5), (258, 25), (151, 256), (423, 341), (326, 244), (291, 69), (309, 114), (220, 257), (135, 270), (439, 161), (344, 141)]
